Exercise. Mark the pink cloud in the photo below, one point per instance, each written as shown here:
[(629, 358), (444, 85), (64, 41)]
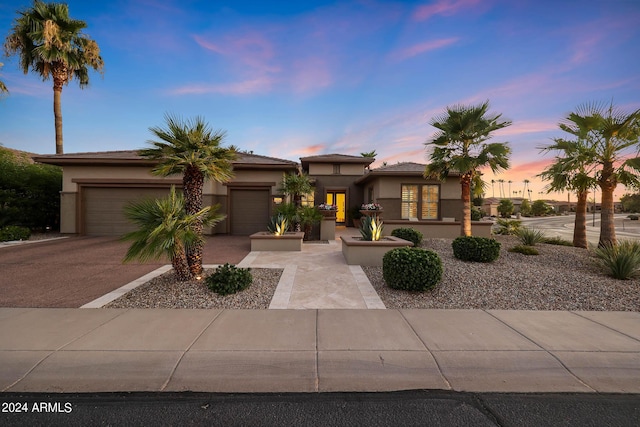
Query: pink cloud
[(420, 48), (525, 127), (258, 85), (311, 74), (442, 7), (310, 150)]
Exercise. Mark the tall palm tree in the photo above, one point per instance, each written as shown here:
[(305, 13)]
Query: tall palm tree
[(509, 187), (524, 189), (614, 137), (165, 229), (493, 193), (501, 181), (191, 148), (52, 44), (459, 147), (572, 170)]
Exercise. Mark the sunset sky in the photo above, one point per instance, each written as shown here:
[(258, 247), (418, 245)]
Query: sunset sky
[(290, 79)]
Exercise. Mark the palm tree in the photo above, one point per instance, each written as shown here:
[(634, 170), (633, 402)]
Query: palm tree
[(612, 135), (509, 187), (164, 229), (572, 171), (524, 189), (459, 147), (52, 44), (296, 185), (193, 149), (493, 193), (3, 87)]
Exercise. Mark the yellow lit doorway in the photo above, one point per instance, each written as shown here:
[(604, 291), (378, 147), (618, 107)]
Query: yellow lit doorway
[(338, 198)]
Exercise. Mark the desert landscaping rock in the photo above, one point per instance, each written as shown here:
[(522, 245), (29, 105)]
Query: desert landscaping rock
[(166, 292), (560, 278)]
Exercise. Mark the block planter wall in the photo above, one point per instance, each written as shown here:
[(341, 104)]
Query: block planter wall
[(264, 241), (360, 252)]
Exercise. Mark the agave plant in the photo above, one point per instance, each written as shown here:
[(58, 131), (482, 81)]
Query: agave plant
[(622, 260), (278, 225), (371, 229)]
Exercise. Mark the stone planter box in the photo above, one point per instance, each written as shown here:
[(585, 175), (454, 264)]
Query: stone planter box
[(328, 228), (265, 241), (359, 252)]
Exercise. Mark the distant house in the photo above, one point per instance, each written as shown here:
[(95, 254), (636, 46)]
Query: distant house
[(96, 187)]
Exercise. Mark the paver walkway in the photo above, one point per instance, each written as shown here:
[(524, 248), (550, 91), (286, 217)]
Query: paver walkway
[(317, 277)]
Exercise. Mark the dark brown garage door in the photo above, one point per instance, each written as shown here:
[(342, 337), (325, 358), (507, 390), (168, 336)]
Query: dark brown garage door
[(103, 208), (249, 211)]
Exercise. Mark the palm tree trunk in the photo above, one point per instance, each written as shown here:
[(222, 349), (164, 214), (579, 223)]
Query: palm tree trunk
[(180, 265), (465, 223), (580, 224), (193, 183), (607, 219), (57, 115)]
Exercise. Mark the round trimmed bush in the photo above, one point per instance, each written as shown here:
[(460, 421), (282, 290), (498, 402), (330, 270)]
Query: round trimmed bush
[(411, 269), (229, 279), (479, 249), (408, 234)]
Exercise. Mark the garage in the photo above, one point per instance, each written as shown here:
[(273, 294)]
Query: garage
[(102, 208), (249, 210)]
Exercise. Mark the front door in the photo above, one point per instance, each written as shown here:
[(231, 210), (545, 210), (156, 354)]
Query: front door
[(338, 198)]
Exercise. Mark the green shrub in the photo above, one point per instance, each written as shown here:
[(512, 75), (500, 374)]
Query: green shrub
[(557, 241), (524, 250), (508, 226), (411, 269), (14, 232), (530, 236), (408, 234), (477, 213), (622, 261), (505, 208), (479, 249), (229, 279)]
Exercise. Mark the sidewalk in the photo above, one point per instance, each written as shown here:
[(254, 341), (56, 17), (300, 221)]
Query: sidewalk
[(101, 350)]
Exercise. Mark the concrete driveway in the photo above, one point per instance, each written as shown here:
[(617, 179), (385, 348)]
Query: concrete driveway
[(74, 271)]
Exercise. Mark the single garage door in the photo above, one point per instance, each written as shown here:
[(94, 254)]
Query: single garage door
[(103, 208), (249, 211)]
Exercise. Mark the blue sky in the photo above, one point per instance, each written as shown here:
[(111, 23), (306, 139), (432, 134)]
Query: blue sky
[(291, 79)]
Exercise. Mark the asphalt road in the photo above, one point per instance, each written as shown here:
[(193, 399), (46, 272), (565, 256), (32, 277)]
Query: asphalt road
[(562, 226), (410, 408)]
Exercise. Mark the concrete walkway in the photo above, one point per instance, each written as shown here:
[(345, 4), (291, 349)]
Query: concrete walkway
[(317, 277), (103, 350)]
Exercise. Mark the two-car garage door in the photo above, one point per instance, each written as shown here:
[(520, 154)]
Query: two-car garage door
[(102, 209)]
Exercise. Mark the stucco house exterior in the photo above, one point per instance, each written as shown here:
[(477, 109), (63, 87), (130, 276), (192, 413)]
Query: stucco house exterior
[(96, 187)]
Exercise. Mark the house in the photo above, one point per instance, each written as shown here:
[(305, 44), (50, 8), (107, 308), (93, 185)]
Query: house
[(334, 178), (97, 186)]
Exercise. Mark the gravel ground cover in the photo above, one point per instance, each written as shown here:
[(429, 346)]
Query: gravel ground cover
[(560, 278), (166, 292)]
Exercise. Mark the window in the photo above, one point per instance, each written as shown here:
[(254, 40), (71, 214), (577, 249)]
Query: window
[(336, 169), (308, 199), (409, 201), (430, 197), (422, 199)]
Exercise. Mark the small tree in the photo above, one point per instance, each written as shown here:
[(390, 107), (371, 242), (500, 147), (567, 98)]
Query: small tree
[(525, 208), (505, 208), (630, 202), (539, 208)]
